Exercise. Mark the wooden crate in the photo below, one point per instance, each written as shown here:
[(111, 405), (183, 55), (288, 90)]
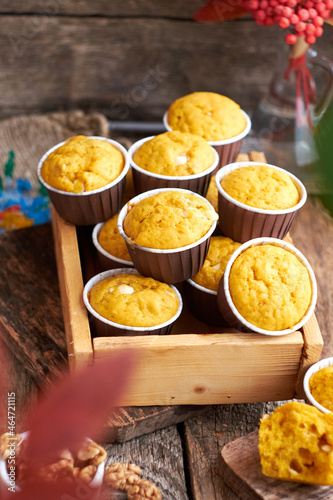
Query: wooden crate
[(196, 364)]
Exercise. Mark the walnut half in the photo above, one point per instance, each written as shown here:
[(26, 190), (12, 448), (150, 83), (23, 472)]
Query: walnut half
[(121, 476), (144, 490), (8, 442), (125, 477)]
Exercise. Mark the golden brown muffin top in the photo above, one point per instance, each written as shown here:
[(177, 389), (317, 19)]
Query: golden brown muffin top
[(270, 287), (111, 240), (82, 164), (168, 220), (220, 250), (207, 114), (321, 387), (175, 154), (134, 300), (261, 186)]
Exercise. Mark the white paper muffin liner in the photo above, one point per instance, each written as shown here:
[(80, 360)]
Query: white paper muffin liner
[(227, 307), (146, 181), (105, 259), (95, 484), (241, 222), (106, 328), (167, 265), (90, 207), (227, 149), (324, 363)]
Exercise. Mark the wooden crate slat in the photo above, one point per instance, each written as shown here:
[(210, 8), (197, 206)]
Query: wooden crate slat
[(313, 345), (257, 156), (209, 369), (79, 343)]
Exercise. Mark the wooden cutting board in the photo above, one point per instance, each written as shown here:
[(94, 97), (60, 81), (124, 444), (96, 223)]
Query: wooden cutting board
[(240, 468)]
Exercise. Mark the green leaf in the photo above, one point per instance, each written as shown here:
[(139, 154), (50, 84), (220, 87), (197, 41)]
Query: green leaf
[(10, 164), (324, 144)]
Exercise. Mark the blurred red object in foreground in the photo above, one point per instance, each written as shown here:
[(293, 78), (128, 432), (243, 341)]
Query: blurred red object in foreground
[(73, 410), (215, 11), (284, 13)]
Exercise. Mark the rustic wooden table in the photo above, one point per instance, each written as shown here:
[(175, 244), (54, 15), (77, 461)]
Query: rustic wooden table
[(181, 459)]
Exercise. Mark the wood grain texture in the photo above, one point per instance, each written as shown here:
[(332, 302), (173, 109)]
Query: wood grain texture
[(312, 233), (313, 345), (205, 437), (210, 368), (160, 457), (241, 470), (131, 422), (132, 68), (15, 378), (78, 337), (30, 315), (128, 8)]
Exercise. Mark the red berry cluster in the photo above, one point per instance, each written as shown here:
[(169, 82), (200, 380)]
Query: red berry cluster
[(303, 17)]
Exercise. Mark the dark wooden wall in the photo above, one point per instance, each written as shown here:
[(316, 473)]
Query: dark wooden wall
[(129, 59)]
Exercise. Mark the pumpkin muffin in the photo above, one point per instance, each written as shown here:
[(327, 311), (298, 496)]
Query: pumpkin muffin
[(296, 444), (220, 250), (175, 154), (111, 241), (82, 164), (212, 194), (169, 219), (207, 114), (321, 387), (270, 287), (134, 300), (261, 186)]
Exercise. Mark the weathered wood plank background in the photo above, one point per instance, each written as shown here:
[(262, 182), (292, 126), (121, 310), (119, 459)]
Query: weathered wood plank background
[(129, 59)]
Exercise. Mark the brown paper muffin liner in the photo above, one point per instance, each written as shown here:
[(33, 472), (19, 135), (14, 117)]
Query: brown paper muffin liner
[(202, 303), (227, 153), (105, 259), (146, 181), (169, 266), (90, 207), (227, 149), (242, 223), (227, 307), (102, 327)]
